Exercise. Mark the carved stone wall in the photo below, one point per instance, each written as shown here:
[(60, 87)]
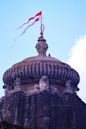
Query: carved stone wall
[(44, 110)]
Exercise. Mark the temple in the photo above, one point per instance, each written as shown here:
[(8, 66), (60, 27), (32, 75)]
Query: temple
[(41, 93)]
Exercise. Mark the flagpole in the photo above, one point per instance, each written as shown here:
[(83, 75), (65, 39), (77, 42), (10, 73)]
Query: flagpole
[(41, 33)]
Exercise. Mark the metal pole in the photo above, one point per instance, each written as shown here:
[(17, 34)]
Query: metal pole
[(41, 27)]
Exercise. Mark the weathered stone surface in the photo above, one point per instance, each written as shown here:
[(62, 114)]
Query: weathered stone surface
[(44, 111), (32, 69), (40, 93)]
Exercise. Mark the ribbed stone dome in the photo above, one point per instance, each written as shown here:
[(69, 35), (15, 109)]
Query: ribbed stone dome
[(30, 70)]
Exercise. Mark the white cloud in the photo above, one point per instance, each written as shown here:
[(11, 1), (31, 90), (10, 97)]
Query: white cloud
[(78, 61)]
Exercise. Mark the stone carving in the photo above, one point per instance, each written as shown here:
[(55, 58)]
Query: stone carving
[(44, 83), (18, 82), (69, 88), (17, 85)]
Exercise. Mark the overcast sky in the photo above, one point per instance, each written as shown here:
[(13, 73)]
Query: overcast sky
[(65, 32)]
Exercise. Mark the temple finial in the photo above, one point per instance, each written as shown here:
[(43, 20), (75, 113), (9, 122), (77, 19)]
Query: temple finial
[(41, 46)]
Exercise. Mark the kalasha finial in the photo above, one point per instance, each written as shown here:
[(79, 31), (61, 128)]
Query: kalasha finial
[(41, 46)]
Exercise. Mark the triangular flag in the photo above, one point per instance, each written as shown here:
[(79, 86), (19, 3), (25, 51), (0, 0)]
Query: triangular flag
[(31, 18)]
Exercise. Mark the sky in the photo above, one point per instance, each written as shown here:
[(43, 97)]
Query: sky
[(65, 32)]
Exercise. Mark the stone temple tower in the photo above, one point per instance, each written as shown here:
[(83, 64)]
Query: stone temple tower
[(41, 93)]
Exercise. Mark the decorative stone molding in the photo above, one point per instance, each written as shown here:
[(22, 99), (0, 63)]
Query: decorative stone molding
[(31, 69)]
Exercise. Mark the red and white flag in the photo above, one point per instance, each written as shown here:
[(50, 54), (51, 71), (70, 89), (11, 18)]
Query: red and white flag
[(38, 15), (33, 20)]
